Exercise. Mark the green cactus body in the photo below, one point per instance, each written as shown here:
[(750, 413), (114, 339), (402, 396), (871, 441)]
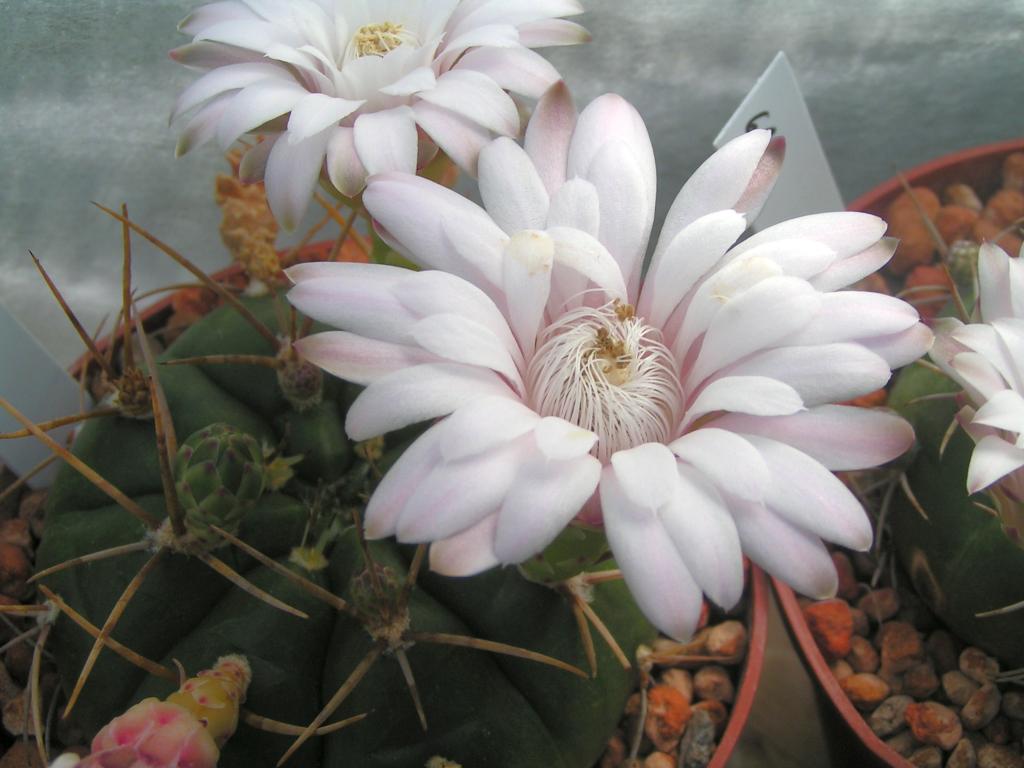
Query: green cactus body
[(483, 710), (960, 559)]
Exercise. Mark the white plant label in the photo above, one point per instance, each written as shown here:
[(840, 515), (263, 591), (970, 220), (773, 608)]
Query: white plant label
[(806, 184), (34, 383)]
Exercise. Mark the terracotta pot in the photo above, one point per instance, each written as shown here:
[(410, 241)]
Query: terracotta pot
[(980, 168)]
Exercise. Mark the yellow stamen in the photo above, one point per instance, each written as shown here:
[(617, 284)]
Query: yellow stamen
[(378, 39)]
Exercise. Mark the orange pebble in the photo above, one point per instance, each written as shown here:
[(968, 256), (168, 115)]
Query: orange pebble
[(987, 231), (667, 715), (933, 289), (831, 624), (954, 222), (1005, 207), (906, 217)]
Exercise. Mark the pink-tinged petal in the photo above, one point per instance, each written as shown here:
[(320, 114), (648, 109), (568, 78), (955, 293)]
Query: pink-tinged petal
[(994, 282), (993, 459), (693, 251), (575, 205), (401, 482), (855, 315), (985, 340), (518, 12), (386, 141), (344, 168), (717, 185), (762, 182), (203, 125), (825, 373), (358, 359), (758, 318), (252, 35), (810, 497), (417, 394), (291, 175), (345, 270), (526, 275), (704, 533), (785, 551), (518, 70), (541, 34), (358, 298), (797, 258), (847, 233), (255, 105), (654, 572), (548, 135), (254, 162), (510, 188), (754, 395), (212, 55), (215, 13), (946, 347), (560, 440), (306, 67), (437, 227), (901, 348), (232, 77), (1004, 410), (726, 459), (846, 272), (839, 437), (487, 36), (476, 97), (458, 494), (543, 499), (419, 79), (483, 425), (467, 553), (459, 138), (647, 476), (466, 341), (316, 112), (587, 256), (980, 378)]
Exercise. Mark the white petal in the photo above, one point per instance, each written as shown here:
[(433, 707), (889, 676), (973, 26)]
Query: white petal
[(726, 459), (785, 551), (466, 341), (344, 168), (854, 316), (252, 35), (485, 424), (540, 34), (544, 498), (207, 56), (561, 440), (647, 476), (255, 105), (978, 375), (356, 358), (459, 138), (202, 127), (476, 97), (654, 572), (575, 204), (548, 134), (903, 348), (420, 79), (1004, 410), (798, 258), (518, 12), (254, 162), (467, 553), (994, 282), (755, 395), (226, 78), (518, 70), (419, 393), (705, 535), (215, 13), (291, 175), (993, 459), (386, 141), (839, 437), (586, 255), (527, 264), (512, 192), (811, 497), (847, 233), (401, 482), (315, 112), (846, 272)]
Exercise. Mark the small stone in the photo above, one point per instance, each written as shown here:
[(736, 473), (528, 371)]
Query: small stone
[(954, 222), (907, 217), (931, 291), (22, 754), (18, 660), (1005, 207), (978, 665), (941, 648), (719, 714), (890, 717), (15, 569), (713, 682), (659, 760), (932, 723), (698, 745), (880, 604), (920, 681), (958, 687), (986, 229), (32, 510), (841, 669), (15, 531), (667, 715), (926, 757), (1016, 730), (914, 611), (998, 731), (1013, 171), (863, 656), (16, 717), (998, 756), (902, 743), (831, 625), (901, 646), (679, 679), (849, 588), (963, 195), (865, 690), (861, 625), (1013, 704), (962, 756), (864, 565), (727, 639), (893, 680), (981, 707)]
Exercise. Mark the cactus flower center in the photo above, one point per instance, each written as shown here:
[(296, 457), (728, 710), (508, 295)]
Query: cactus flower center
[(607, 371), (380, 39)]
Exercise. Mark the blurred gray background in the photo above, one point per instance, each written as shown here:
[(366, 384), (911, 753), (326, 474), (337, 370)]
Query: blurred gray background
[(86, 88)]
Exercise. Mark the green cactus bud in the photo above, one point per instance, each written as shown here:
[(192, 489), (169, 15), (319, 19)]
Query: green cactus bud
[(302, 383), (963, 262), (218, 474)]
